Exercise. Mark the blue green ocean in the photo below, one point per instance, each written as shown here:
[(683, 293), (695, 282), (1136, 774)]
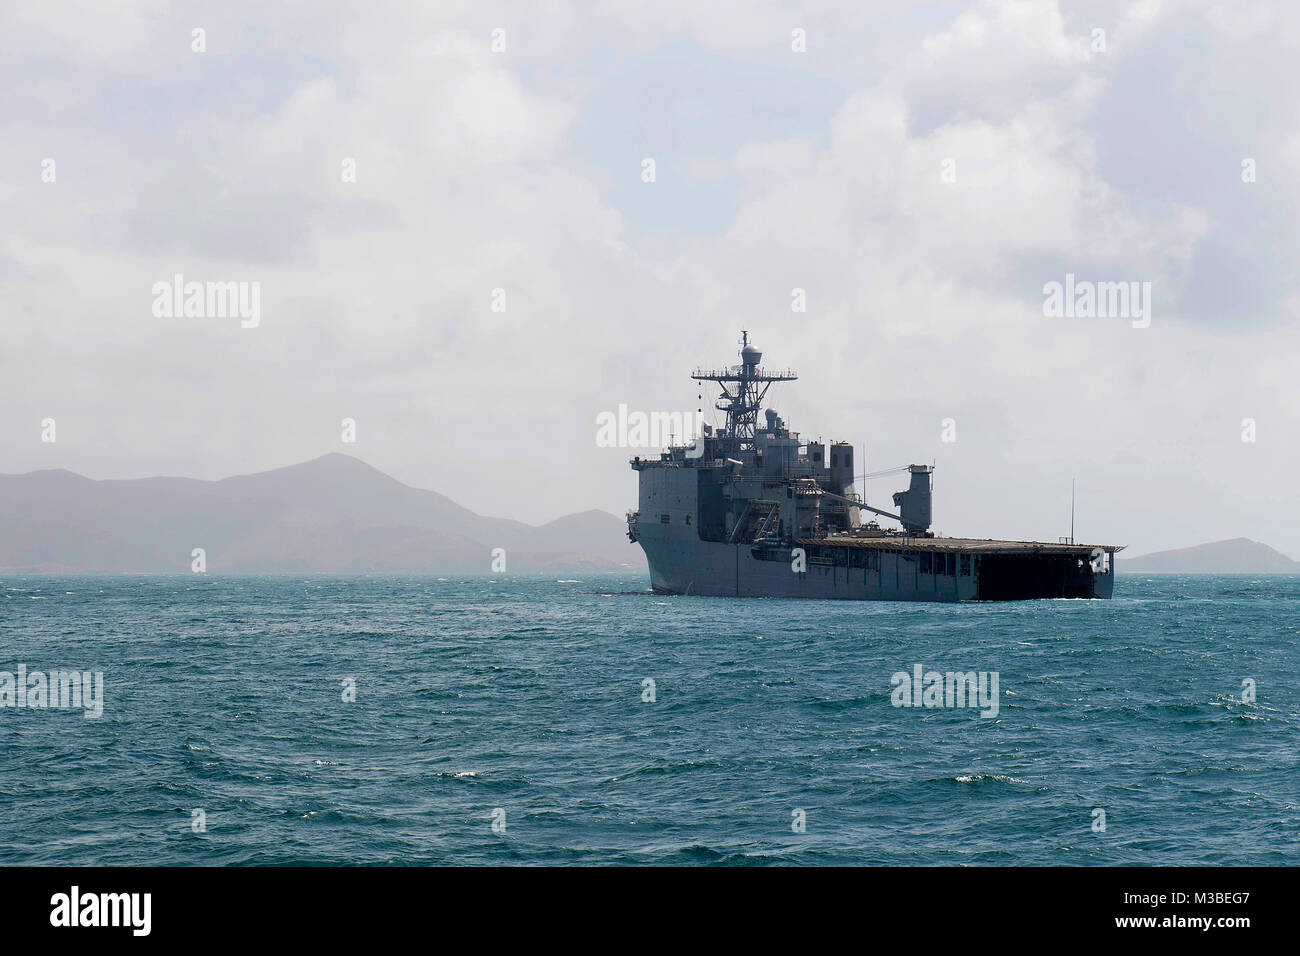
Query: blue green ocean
[(552, 720)]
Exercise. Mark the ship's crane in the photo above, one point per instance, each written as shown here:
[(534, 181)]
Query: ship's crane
[(859, 504), (914, 503)]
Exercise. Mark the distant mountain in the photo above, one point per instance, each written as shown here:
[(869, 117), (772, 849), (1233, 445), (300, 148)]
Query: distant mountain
[(1234, 556), (333, 514)]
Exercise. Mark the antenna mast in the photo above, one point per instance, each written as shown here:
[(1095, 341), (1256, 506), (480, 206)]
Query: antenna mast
[(1071, 511), (743, 388)]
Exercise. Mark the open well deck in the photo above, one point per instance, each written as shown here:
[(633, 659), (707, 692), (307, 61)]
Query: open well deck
[(976, 568)]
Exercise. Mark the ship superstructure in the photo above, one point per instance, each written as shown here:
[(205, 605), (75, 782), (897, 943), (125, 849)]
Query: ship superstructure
[(751, 509)]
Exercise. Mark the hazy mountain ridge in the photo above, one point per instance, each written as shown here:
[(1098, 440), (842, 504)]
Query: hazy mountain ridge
[(1233, 556), (338, 514), (332, 514)]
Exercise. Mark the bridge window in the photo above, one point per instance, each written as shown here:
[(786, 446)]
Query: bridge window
[(664, 519)]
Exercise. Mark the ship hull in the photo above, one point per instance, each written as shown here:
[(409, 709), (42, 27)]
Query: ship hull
[(679, 565)]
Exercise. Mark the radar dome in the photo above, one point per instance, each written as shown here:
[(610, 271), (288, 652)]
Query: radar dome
[(750, 355)]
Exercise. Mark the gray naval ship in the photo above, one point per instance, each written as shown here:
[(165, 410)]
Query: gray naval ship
[(751, 510)]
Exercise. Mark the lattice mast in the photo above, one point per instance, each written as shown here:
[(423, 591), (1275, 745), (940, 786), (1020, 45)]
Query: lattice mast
[(744, 387)]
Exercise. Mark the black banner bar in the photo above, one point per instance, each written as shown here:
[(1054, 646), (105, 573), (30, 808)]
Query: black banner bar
[(331, 905)]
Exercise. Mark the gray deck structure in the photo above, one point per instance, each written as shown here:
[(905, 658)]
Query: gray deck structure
[(751, 510)]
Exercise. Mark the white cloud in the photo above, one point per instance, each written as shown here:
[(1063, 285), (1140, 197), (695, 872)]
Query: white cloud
[(924, 295)]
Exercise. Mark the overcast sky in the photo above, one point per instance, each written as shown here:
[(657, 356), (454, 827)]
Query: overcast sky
[(522, 170)]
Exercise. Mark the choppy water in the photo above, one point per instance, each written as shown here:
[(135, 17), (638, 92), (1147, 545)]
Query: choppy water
[(525, 693)]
